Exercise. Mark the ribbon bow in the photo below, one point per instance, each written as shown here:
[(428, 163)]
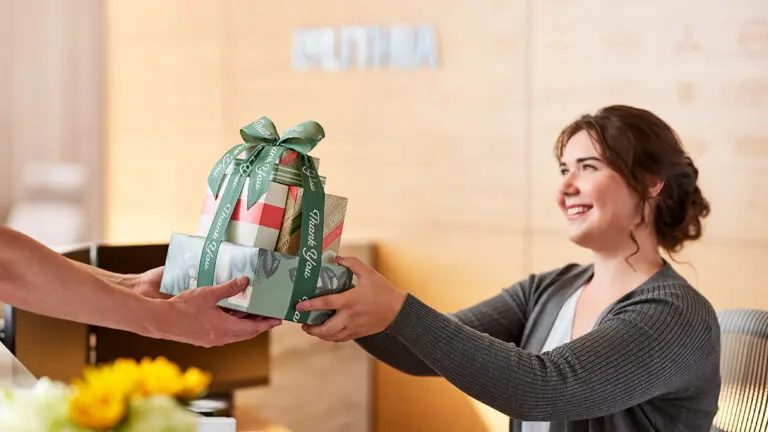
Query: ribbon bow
[(266, 146), (262, 139)]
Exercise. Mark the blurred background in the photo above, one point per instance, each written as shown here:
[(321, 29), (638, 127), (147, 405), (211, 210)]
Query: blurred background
[(440, 118)]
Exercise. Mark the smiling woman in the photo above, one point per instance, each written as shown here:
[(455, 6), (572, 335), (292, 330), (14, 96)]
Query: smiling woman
[(623, 163), (621, 343)]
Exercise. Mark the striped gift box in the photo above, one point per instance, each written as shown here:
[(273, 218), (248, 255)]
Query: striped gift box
[(258, 226)]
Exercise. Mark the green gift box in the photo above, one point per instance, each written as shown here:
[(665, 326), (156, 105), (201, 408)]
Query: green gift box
[(272, 276), (278, 281)]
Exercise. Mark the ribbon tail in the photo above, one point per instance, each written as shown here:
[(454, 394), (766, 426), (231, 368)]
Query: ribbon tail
[(310, 250), (262, 173), (220, 223)]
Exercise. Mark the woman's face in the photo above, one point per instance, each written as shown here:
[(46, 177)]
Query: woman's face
[(599, 207)]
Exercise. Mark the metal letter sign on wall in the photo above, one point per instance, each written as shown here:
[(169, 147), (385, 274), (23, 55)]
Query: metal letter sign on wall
[(333, 49)]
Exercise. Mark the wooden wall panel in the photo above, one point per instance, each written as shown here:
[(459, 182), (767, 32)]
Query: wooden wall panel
[(668, 60), (166, 115), (398, 136)]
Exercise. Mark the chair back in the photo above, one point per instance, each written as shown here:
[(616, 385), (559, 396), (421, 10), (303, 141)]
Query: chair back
[(743, 402)]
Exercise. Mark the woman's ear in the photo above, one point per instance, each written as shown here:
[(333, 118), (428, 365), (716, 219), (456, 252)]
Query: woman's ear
[(656, 190)]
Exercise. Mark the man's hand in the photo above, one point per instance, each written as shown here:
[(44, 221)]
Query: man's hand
[(148, 284), (37, 279), (194, 317)]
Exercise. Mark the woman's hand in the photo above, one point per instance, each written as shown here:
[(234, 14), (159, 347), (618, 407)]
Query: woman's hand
[(368, 308)]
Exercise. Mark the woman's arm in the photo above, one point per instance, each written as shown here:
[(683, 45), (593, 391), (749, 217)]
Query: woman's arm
[(660, 340), (646, 349), (37, 279), (502, 317)]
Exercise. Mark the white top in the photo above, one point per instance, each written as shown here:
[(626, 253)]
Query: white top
[(559, 335)]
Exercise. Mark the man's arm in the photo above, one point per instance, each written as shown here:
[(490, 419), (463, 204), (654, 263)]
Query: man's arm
[(128, 281), (37, 279)]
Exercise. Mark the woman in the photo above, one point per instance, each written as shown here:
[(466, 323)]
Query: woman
[(621, 344)]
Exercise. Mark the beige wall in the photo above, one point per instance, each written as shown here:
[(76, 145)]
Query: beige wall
[(51, 95), (466, 146), (5, 112)]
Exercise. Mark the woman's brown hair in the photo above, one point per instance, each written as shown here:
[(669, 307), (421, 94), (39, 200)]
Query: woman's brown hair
[(643, 149)]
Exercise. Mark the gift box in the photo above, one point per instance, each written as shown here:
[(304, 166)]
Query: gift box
[(260, 224), (271, 292), (242, 218), (289, 236)]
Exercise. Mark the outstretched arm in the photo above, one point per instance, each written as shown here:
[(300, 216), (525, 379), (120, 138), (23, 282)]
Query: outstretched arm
[(502, 317), (37, 279), (658, 342)]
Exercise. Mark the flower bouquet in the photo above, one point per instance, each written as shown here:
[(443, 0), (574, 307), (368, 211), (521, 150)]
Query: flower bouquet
[(124, 396)]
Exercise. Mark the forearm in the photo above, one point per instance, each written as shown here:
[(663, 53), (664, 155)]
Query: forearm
[(591, 376), (389, 350), (128, 281), (501, 316), (39, 280)]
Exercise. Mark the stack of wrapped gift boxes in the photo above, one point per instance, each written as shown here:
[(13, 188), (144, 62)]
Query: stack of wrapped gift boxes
[(262, 217)]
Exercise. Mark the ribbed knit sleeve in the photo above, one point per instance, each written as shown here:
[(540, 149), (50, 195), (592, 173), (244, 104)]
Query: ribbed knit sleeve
[(657, 339), (502, 316)]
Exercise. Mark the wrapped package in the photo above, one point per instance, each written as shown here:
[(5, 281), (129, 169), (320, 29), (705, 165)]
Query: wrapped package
[(333, 224), (272, 291), (242, 219)]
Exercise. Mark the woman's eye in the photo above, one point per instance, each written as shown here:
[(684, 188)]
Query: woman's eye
[(563, 171), (589, 167)]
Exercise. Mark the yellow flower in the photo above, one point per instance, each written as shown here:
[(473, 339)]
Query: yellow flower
[(121, 377), (195, 382), (98, 408), (159, 377)]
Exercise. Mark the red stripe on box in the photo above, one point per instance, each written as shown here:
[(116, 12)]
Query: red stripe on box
[(289, 157), (333, 235), (261, 214), (294, 191)]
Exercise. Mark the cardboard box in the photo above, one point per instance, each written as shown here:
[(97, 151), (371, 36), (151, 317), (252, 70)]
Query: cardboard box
[(289, 237), (272, 275)]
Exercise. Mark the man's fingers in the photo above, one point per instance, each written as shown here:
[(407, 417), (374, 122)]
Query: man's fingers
[(330, 327), (227, 289), (330, 301), (357, 267), (247, 328)]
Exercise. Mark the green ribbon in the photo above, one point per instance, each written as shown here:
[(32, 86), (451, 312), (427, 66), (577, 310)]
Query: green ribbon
[(266, 148)]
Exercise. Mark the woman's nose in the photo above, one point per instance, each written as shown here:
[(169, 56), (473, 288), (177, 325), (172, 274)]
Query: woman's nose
[(568, 185)]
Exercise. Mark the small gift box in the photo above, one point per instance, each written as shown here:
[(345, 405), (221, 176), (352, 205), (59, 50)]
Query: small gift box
[(242, 218), (335, 210)]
